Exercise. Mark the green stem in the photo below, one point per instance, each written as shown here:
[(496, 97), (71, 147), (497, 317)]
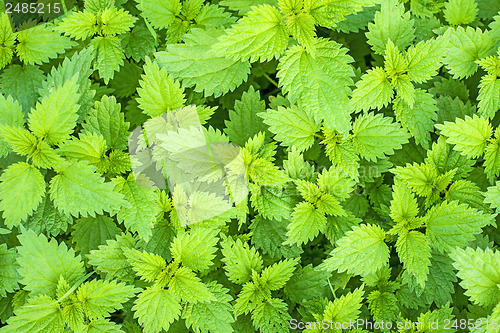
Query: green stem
[(274, 83)]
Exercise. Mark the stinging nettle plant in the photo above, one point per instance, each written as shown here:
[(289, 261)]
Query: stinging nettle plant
[(368, 155)]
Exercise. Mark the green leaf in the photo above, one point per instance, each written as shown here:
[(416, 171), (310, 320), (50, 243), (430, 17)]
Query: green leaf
[(116, 21), (90, 232), (361, 251), (272, 316), (79, 25), (493, 196), (469, 136), (19, 139), (305, 224), (404, 206), (414, 251), (111, 260), (89, 147), (196, 65), (465, 47), (460, 12), (101, 326), (156, 309), (158, 91), (214, 317), (22, 83), (7, 38), (140, 215), (147, 265), (373, 90), (259, 35), (106, 119), (345, 308), (391, 22), (22, 188), (100, 298), (41, 314), (244, 122), (424, 60), (479, 271), (306, 284), (292, 126), (269, 235), (43, 263), (272, 202), (160, 13), (452, 224), (55, 117), (375, 136), (47, 219), (240, 261), (319, 85), (9, 276), (196, 249), (108, 56), (78, 190), (186, 285), (40, 43), (489, 92), (468, 193), (420, 118), (275, 276)]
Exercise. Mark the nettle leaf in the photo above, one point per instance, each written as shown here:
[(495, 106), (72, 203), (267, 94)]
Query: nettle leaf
[(292, 126), (215, 316), (244, 122), (480, 274), (107, 120), (55, 116), (345, 308), (196, 248), (43, 262), (101, 326), (305, 224), (140, 214), (493, 196), (240, 260), (100, 298), (147, 265), (90, 232), (259, 35), (391, 22), (418, 119), (186, 285), (158, 91), (111, 260), (78, 190), (469, 136), (156, 308), (458, 12), (108, 56), (40, 314), (373, 90), (414, 251), (160, 13), (424, 59), (375, 136), (361, 251), (452, 224), (320, 85), (465, 47), (272, 316), (9, 276), (40, 43), (22, 188), (213, 74)]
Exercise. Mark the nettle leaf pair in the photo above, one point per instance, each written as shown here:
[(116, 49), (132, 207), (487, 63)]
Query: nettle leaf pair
[(59, 297), (173, 288)]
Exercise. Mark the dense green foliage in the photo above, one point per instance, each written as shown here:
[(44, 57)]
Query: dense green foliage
[(369, 137)]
